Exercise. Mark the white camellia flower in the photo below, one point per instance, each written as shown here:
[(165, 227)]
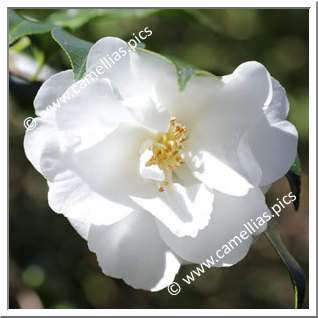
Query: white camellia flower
[(153, 177)]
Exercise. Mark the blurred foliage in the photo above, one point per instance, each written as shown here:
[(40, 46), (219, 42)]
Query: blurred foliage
[(51, 266)]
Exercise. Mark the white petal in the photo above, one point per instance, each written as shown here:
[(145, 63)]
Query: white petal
[(111, 167), (240, 96), (134, 73), (81, 228), (103, 49), (148, 68), (69, 195), (133, 250), (184, 210), (227, 221), (274, 140), (219, 155), (184, 176), (152, 172), (92, 113), (248, 86), (41, 146), (218, 116), (217, 175), (148, 113), (275, 148), (52, 89), (193, 103), (278, 107), (101, 56)]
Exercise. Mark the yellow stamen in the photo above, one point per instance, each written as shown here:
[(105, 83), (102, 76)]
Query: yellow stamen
[(167, 148)]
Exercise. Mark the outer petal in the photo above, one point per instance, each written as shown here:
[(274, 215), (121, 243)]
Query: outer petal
[(101, 55), (274, 140), (240, 96), (148, 68), (111, 167), (133, 250), (52, 89), (227, 221), (36, 141), (142, 68), (192, 104), (278, 107), (68, 193), (275, 148), (81, 228), (92, 113), (71, 196)]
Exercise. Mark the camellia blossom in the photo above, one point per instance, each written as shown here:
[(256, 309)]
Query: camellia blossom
[(154, 177)]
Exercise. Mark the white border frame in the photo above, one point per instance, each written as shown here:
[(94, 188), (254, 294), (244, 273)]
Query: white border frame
[(312, 164)]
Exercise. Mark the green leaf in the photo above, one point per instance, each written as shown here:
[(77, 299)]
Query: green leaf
[(294, 179), (296, 167), (19, 27), (296, 273), (76, 50), (75, 18), (186, 71)]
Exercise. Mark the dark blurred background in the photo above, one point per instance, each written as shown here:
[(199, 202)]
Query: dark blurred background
[(51, 266)]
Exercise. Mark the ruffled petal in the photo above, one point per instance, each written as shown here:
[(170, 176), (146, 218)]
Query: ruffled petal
[(42, 148), (274, 140), (52, 89), (141, 69), (185, 210), (219, 155), (72, 197), (148, 113), (112, 169), (81, 228), (229, 215), (239, 96), (278, 107), (133, 250), (275, 148), (219, 115), (92, 113)]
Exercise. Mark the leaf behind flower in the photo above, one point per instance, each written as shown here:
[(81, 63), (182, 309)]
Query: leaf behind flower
[(296, 273), (294, 179), (75, 49), (19, 26)]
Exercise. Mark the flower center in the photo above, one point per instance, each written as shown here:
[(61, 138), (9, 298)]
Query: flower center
[(167, 149)]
